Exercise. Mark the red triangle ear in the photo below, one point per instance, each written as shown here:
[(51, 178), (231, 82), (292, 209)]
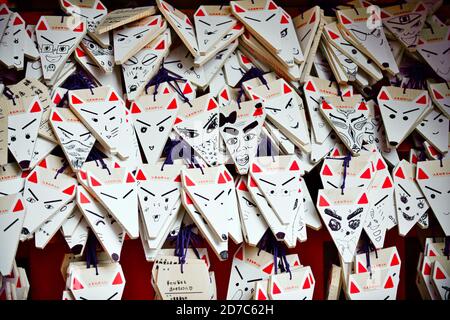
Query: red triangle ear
[(439, 275), (353, 288), (100, 6), (79, 28), (252, 183), (42, 26), (399, 173), (172, 105), (245, 59), (75, 100), (345, 20), (348, 93), (363, 199), (380, 165), (275, 289), (286, 88), (135, 108), (94, 182), (69, 191), (166, 90), (420, 7), (326, 106), (113, 96), (437, 94), (384, 14), (199, 13), (224, 94), (161, 45), (294, 166), (432, 254), (421, 174), (361, 268), (178, 120), (258, 112), (188, 199), (256, 168), (3, 11), (383, 96), (333, 35), (83, 198), (212, 104), (387, 183), (221, 179), (238, 9), (66, 4), (389, 283), (326, 171), (56, 117), (43, 163), (261, 295), (36, 107), (395, 261), (422, 99), (187, 88), (336, 153), (33, 177), (268, 269), (188, 182), (310, 86), (323, 202), (80, 52), (153, 22), (83, 175), (242, 186), (426, 269), (117, 279), (362, 106), (57, 99), (18, 206), (272, 6), (18, 21), (76, 284), (177, 179), (130, 178), (240, 253), (140, 176), (366, 174), (306, 284)]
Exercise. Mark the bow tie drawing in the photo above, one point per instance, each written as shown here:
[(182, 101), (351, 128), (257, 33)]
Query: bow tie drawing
[(231, 118)]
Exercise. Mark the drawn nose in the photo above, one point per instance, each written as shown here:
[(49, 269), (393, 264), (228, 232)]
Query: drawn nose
[(25, 231), (280, 235), (224, 255), (25, 164), (347, 233), (115, 257)]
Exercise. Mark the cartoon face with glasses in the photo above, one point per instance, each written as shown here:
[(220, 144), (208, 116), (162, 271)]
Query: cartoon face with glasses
[(53, 51)]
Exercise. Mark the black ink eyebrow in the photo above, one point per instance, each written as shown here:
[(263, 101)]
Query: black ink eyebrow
[(29, 123), (105, 194), (404, 190), (412, 110), (357, 118), (10, 225), (115, 294), (210, 120), (273, 184), (151, 193), (355, 213), (240, 275), (95, 214), (346, 44), (45, 38), (231, 130), (131, 190), (254, 280), (446, 50), (208, 24), (381, 200), (33, 194), (222, 23), (218, 196), (99, 15), (67, 40), (17, 32), (248, 200), (428, 51), (144, 123), (165, 119), (250, 18), (11, 129), (287, 181), (86, 133), (92, 112), (289, 102), (112, 108), (149, 59), (270, 17), (199, 195), (122, 35), (251, 126), (315, 100), (332, 214), (339, 118), (140, 32), (52, 201), (440, 114), (274, 109), (393, 110), (168, 192), (429, 188), (66, 131), (92, 64)]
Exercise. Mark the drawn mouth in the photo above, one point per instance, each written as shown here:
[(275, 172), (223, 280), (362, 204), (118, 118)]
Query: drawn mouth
[(53, 59), (439, 71), (296, 126), (435, 133), (242, 160), (151, 147), (408, 217), (410, 40)]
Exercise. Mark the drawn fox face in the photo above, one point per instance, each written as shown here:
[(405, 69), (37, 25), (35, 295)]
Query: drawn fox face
[(22, 131), (92, 14), (13, 42)]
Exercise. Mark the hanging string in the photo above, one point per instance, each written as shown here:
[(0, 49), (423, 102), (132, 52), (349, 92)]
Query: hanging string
[(96, 155), (61, 170), (346, 164), (164, 75), (252, 73), (270, 244), (76, 81), (91, 252), (185, 151), (368, 247), (185, 238), (9, 94), (447, 247)]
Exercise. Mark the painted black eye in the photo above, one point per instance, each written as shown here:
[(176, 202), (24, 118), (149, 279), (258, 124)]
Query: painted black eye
[(392, 116), (143, 129), (167, 200), (433, 196), (95, 119), (422, 124), (405, 118), (13, 138), (334, 225), (353, 224), (145, 198), (27, 136), (161, 129), (440, 120)]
